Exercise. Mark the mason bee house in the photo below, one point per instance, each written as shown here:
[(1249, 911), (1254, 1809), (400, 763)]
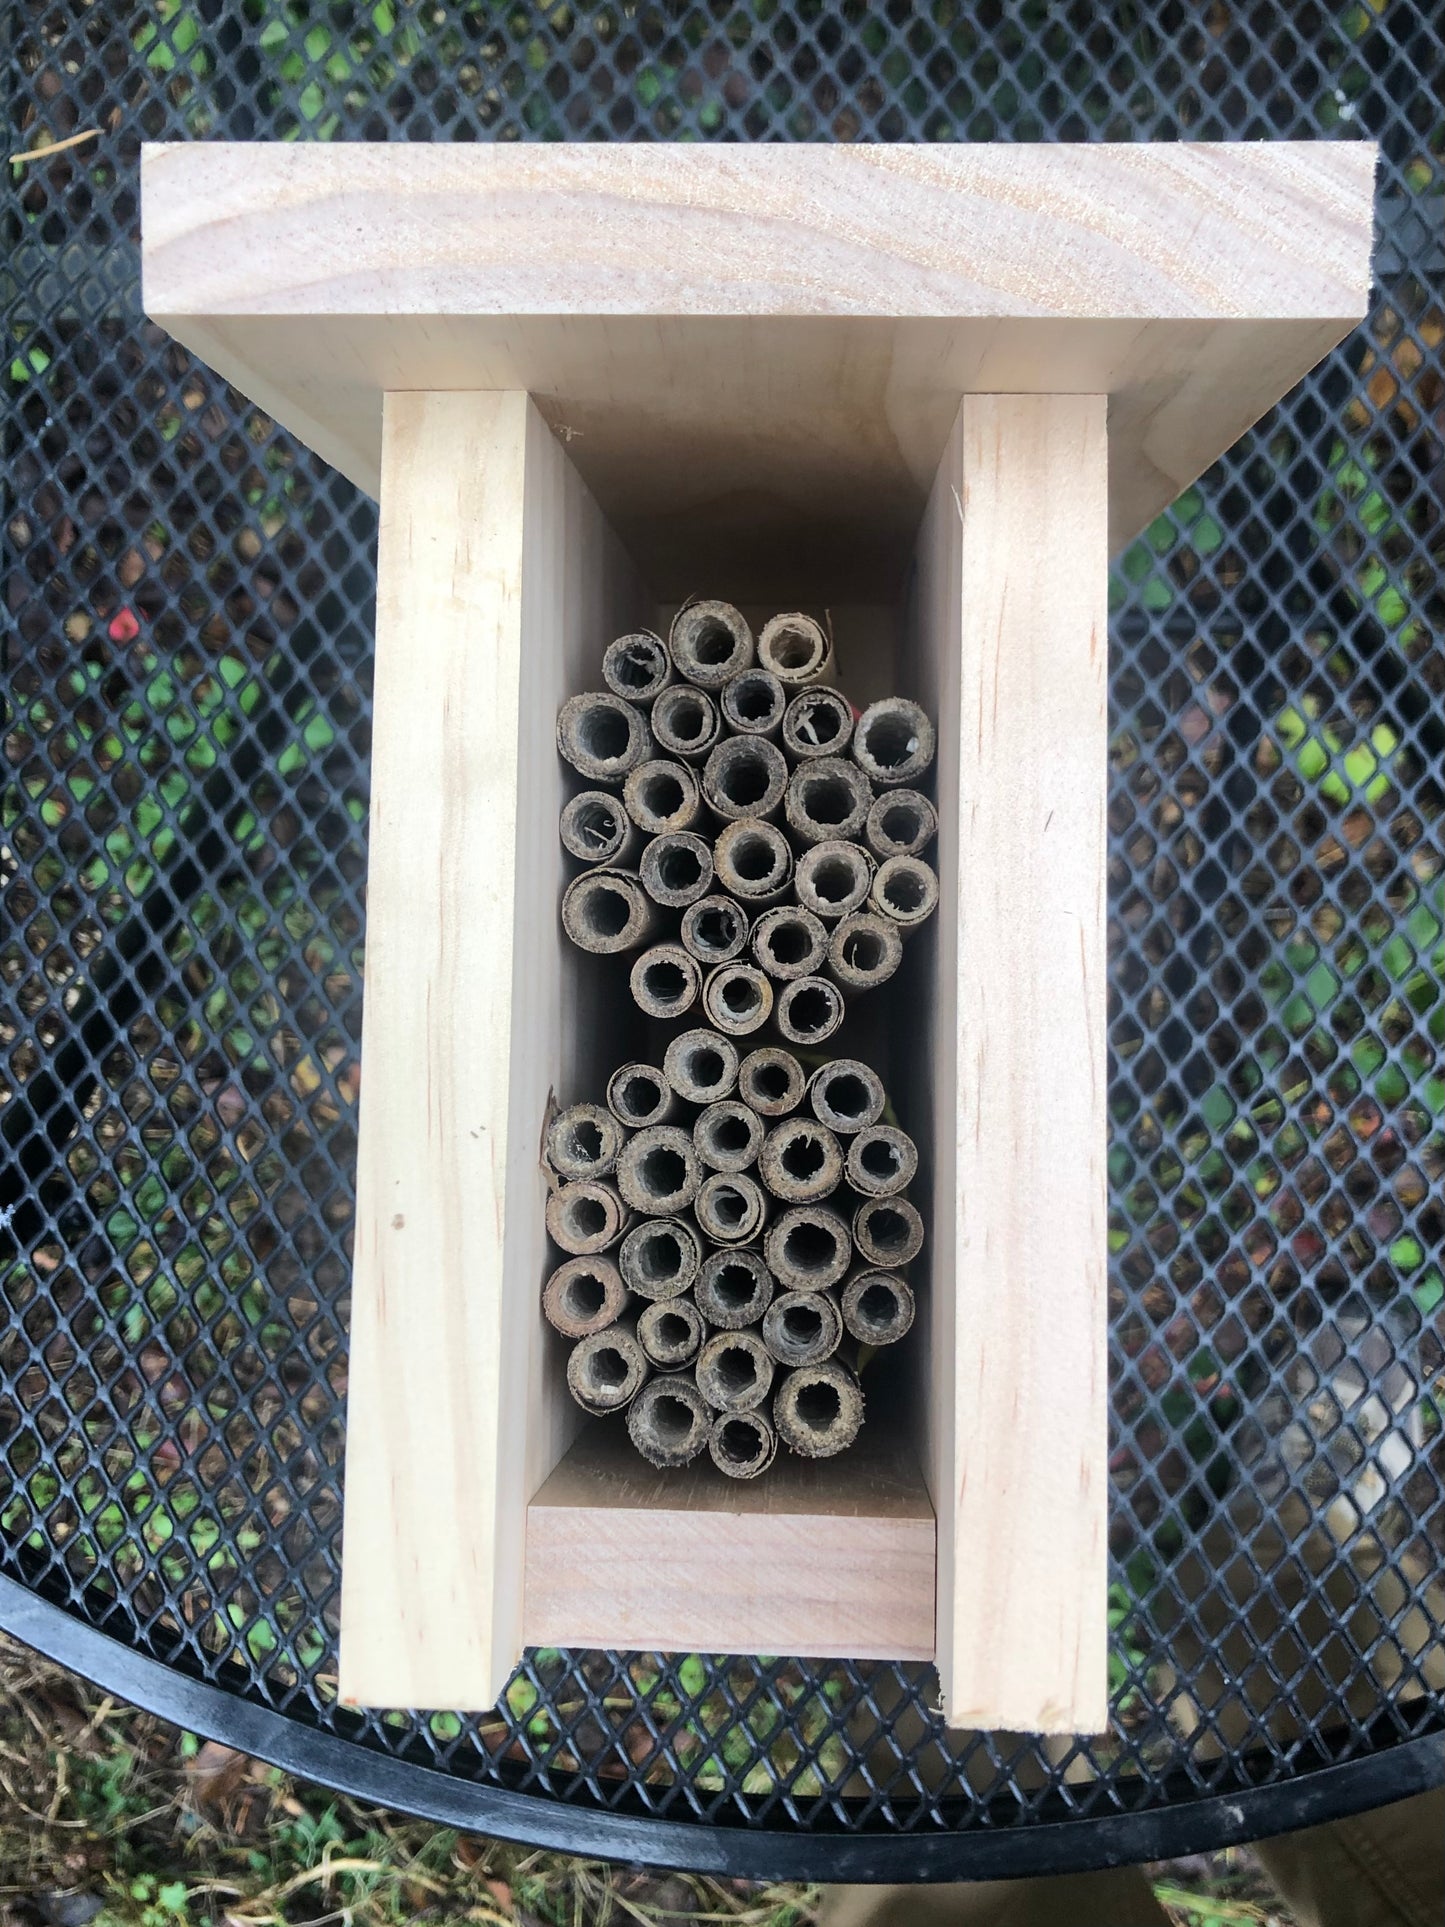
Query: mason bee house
[(923, 393)]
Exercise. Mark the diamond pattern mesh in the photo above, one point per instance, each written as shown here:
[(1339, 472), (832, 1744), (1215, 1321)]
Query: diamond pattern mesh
[(188, 604)]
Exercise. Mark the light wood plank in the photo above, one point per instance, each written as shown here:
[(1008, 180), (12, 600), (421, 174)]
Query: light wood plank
[(493, 567), (832, 1558), (758, 351), (1024, 1644)]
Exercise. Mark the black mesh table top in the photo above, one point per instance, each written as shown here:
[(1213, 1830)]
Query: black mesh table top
[(183, 797)]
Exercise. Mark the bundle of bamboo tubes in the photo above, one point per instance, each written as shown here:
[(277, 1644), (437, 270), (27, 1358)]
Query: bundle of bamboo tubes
[(753, 838), (737, 1236)]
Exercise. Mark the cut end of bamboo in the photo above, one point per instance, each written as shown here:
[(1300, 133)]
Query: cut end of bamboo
[(809, 1010), (637, 667), (734, 1289), (888, 1231), (685, 722), (602, 736), (878, 1308), (665, 981), (607, 912), (605, 1371), (800, 1161), (585, 1217), (737, 998), (881, 1161), (710, 643), (789, 942), (583, 1142), (595, 828), (818, 722), (771, 1081), (676, 868), (893, 742), (794, 647), (833, 878), (669, 1421), (662, 794), (714, 929), (659, 1260), (742, 1444), (744, 776), (864, 951), (901, 823), (753, 703), (734, 1371), (819, 1410), (584, 1296), (671, 1333), (905, 890), (730, 1207), (728, 1136), (639, 1095), (808, 1247), (658, 1172), (803, 1327), (829, 798), (701, 1066), (847, 1095)]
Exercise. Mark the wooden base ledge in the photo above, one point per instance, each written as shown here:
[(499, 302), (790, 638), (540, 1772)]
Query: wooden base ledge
[(833, 1559)]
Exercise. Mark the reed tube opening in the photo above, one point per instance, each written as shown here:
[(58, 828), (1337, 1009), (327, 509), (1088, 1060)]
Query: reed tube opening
[(734, 1289), (753, 703), (662, 794), (659, 1259), (737, 998), (639, 1095), (602, 736), (901, 823), (819, 722), (595, 828), (583, 1296), (728, 1136), (669, 1421), (665, 981), (607, 912), (819, 1410), (701, 1066), (734, 1371), (658, 1172), (742, 1444), (803, 1327), (771, 1081), (637, 667), (864, 951), (710, 643), (714, 929), (685, 722), (800, 1161), (585, 1217), (893, 742), (828, 798), (583, 1141)]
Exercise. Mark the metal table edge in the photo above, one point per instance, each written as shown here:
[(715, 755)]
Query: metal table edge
[(742, 1852)]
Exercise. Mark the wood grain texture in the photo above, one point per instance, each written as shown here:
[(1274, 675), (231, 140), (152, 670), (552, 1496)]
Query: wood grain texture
[(833, 1557), (493, 566), (1024, 1644), (757, 352), (1249, 230)]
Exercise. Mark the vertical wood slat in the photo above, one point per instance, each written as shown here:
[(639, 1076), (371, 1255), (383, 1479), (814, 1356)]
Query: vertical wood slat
[(423, 1419), (1023, 1625)]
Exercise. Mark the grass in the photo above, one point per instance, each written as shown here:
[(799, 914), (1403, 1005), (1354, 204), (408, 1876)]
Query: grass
[(111, 1818)]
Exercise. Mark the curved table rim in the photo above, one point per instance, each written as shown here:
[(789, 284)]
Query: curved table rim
[(740, 1852)]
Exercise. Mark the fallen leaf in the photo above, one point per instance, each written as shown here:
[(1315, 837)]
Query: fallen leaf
[(215, 1773)]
